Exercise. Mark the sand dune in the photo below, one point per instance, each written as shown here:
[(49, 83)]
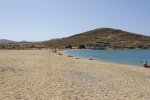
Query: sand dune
[(43, 75)]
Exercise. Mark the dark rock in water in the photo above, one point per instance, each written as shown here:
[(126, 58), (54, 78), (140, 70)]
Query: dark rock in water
[(70, 56), (91, 59)]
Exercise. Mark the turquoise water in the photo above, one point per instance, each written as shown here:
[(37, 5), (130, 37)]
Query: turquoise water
[(130, 57)]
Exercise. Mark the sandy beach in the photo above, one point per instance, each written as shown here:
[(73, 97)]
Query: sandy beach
[(44, 75)]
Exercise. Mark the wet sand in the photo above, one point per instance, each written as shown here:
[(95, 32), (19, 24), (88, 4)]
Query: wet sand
[(44, 75)]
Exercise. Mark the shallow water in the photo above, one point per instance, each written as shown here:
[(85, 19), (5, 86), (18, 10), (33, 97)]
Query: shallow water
[(130, 57)]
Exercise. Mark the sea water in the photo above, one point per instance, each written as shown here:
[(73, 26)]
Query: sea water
[(130, 57)]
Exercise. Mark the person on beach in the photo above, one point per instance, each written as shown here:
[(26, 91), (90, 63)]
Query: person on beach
[(146, 65)]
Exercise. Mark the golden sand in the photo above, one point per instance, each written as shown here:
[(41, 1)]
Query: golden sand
[(43, 75)]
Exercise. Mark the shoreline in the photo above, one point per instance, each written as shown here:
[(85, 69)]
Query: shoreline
[(96, 59), (42, 74)]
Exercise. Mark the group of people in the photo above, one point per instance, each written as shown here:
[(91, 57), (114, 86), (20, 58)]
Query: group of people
[(146, 65)]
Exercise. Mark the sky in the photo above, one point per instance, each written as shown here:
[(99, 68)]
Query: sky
[(38, 20)]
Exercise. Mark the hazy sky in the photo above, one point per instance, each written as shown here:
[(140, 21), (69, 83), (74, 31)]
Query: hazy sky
[(36, 20)]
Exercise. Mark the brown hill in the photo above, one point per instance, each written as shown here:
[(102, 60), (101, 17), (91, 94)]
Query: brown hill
[(117, 39), (102, 38)]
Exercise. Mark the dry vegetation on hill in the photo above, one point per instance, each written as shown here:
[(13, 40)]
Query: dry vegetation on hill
[(117, 39)]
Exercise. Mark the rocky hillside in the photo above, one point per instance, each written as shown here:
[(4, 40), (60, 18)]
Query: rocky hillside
[(102, 38), (117, 39)]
